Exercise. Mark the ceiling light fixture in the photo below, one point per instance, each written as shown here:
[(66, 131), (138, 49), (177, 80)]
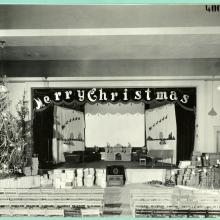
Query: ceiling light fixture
[(3, 88), (212, 112), (46, 82)]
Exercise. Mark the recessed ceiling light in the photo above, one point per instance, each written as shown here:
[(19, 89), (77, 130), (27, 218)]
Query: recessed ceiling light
[(218, 88)]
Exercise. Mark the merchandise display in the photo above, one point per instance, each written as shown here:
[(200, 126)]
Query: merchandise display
[(203, 171)]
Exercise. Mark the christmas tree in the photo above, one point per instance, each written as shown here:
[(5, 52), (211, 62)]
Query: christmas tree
[(12, 141)]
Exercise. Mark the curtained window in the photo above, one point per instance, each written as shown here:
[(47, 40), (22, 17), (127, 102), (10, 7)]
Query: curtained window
[(161, 128), (69, 126)]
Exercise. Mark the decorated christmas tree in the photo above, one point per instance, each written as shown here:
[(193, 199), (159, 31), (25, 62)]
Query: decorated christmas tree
[(12, 140)]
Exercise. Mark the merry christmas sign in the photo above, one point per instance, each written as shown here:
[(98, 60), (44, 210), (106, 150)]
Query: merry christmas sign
[(44, 97)]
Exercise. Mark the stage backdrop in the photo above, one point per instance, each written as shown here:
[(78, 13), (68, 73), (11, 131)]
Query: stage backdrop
[(161, 132), (44, 100), (68, 135), (111, 124)]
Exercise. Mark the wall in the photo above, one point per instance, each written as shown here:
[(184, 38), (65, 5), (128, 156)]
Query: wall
[(211, 122), (205, 122), (97, 68)]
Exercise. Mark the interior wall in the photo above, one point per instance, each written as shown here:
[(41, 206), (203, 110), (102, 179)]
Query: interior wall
[(113, 68), (206, 123)]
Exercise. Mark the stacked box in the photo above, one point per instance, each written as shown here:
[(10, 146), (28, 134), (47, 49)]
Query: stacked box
[(35, 165), (206, 177), (196, 159), (57, 178), (101, 177), (20, 182), (186, 176), (205, 160), (27, 171), (62, 180), (89, 177), (45, 181), (214, 158), (196, 178), (197, 153), (70, 178), (180, 174), (184, 164), (79, 177), (216, 177)]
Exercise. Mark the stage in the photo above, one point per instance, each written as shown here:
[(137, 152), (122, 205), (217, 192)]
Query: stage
[(127, 165), (134, 172)]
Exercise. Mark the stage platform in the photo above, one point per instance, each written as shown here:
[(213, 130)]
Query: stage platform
[(127, 164), (134, 172)]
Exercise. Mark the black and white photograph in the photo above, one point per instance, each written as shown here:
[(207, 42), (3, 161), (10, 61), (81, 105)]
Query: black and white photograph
[(110, 110)]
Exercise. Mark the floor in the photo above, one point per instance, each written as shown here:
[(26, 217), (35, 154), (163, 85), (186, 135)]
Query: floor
[(117, 199)]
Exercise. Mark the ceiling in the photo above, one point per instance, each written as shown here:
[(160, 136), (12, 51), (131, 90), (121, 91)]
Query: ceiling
[(109, 32), (104, 16), (112, 47), (102, 32)]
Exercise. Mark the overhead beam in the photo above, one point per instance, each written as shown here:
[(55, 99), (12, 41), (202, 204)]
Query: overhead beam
[(111, 31)]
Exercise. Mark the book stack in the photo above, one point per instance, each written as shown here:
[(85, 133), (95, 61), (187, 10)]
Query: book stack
[(35, 165)]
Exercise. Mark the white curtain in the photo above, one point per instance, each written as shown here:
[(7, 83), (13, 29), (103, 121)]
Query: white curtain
[(112, 124), (161, 124), (69, 126)]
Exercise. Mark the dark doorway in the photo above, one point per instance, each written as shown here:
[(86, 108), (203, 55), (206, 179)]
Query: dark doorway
[(118, 156)]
